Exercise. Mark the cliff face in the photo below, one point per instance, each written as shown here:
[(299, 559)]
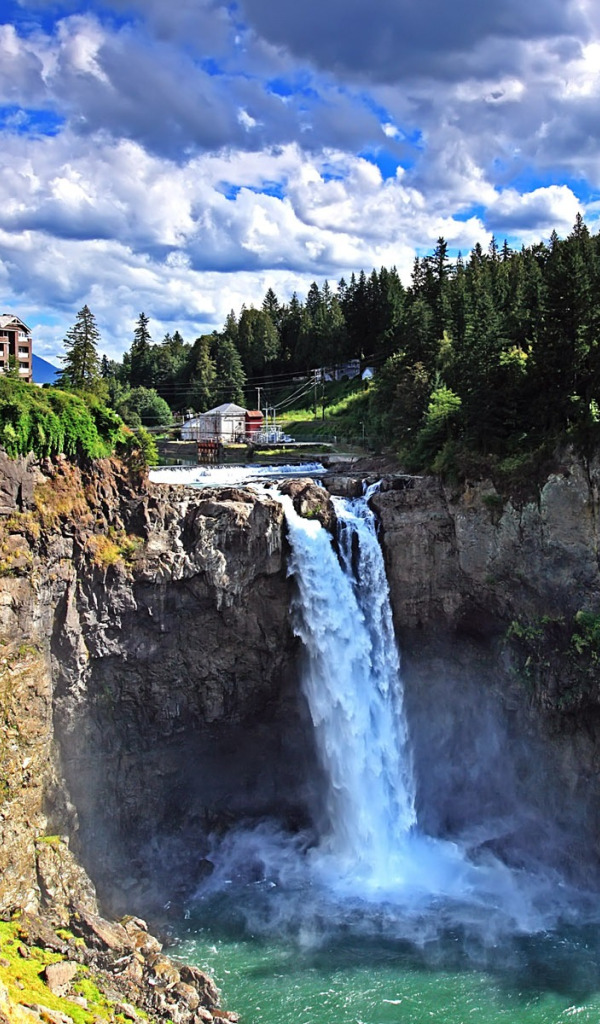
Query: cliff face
[(504, 713), (165, 679), (150, 673)]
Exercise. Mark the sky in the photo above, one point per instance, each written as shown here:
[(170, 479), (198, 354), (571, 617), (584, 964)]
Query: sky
[(180, 157)]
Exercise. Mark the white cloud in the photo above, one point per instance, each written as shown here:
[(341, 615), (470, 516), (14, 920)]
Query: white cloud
[(138, 232), (81, 39), (194, 162), (534, 213)]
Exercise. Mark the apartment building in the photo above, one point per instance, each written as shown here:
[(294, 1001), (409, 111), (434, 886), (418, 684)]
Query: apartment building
[(15, 340)]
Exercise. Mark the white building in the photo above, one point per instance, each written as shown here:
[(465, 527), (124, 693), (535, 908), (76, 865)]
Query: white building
[(226, 423)]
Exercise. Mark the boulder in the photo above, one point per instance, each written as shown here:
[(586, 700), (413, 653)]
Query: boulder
[(311, 501), (59, 976), (98, 933)]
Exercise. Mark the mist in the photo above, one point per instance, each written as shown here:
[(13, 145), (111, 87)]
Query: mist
[(425, 833)]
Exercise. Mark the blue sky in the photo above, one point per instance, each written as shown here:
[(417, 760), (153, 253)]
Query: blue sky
[(181, 158)]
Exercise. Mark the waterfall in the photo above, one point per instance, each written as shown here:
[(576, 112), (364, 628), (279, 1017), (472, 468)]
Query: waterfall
[(353, 686), (371, 864), (372, 847)]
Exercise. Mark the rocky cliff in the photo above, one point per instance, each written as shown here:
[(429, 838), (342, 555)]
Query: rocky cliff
[(151, 689), (496, 605), (150, 682)]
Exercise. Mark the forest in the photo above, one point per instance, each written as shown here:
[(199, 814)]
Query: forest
[(487, 360)]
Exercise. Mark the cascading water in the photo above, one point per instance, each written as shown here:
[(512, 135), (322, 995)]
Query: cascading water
[(370, 851), (354, 691), (375, 922), (372, 848)]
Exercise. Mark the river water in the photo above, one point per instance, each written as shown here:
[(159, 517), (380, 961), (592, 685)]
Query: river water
[(367, 920)]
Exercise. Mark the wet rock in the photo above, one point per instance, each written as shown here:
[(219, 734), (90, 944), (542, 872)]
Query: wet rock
[(162, 971), (203, 1016), (140, 939), (311, 501), (188, 995), (344, 486), (202, 982)]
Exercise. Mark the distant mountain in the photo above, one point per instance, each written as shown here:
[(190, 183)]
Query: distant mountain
[(43, 371)]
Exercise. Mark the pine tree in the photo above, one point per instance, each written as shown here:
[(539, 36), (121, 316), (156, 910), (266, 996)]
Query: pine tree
[(272, 307), (204, 375), (231, 379), (141, 375), (81, 369), (291, 322)]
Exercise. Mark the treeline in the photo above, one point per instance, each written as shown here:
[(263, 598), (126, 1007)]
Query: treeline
[(359, 320), (499, 355), (493, 354)]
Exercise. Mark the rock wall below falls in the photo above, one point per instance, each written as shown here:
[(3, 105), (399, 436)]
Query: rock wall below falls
[(166, 673), (500, 752), (151, 676)]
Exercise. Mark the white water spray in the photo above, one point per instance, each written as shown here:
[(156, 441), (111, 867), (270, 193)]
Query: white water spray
[(372, 865), (354, 691), (373, 848)]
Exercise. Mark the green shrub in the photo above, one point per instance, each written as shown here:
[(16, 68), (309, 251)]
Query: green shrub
[(138, 450), (50, 422)]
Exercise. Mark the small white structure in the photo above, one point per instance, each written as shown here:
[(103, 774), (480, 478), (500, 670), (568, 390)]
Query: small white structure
[(343, 371), (226, 423)]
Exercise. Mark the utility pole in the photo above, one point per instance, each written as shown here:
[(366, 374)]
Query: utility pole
[(315, 394), (258, 391)]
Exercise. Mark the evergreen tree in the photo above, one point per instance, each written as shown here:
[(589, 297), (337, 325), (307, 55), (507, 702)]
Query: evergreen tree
[(141, 363), (81, 369), (289, 338), (168, 362), (257, 341), (273, 308), (231, 378), (201, 375), (357, 313)]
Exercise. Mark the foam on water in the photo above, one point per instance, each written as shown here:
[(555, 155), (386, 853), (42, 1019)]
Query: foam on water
[(230, 476)]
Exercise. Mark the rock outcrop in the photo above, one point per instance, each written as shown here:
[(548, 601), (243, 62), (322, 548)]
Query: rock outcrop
[(149, 674), (311, 501), (499, 737), (149, 678), (111, 971)]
